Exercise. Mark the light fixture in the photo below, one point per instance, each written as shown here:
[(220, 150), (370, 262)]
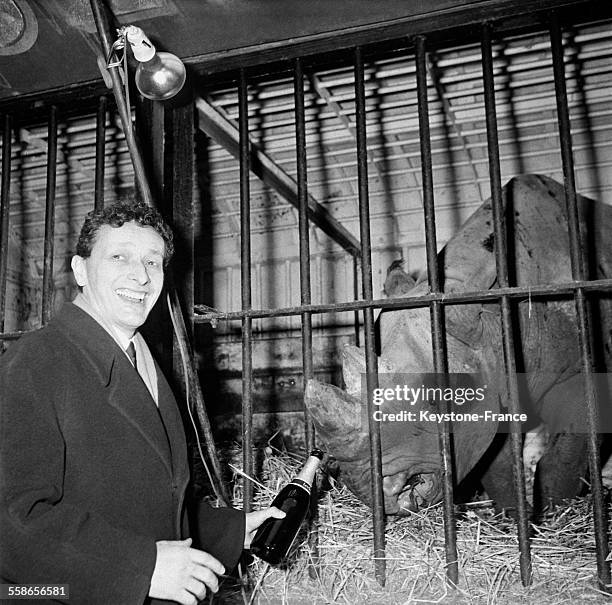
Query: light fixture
[(160, 75)]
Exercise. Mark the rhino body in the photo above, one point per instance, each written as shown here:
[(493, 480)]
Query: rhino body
[(547, 354)]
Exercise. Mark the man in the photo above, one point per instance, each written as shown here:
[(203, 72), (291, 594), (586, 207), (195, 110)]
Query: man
[(93, 454)]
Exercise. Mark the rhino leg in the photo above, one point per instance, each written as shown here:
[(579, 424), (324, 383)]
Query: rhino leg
[(497, 478), (560, 472)]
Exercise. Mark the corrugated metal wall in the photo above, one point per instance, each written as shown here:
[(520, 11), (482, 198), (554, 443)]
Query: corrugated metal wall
[(528, 143)]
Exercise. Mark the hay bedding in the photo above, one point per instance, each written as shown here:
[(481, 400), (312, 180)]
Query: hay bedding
[(563, 554)]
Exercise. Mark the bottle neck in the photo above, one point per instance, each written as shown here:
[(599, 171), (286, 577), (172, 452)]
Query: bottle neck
[(307, 474)]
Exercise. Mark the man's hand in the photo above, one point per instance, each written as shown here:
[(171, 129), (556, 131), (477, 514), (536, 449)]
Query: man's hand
[(255, 519), (182, 573)]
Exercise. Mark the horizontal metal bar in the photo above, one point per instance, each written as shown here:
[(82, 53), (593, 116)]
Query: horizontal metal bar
[(204, 315), (14, 335), (430, 22)]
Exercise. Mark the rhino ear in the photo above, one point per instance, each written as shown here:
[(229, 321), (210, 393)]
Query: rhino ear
[(353, 367), (332, 409)]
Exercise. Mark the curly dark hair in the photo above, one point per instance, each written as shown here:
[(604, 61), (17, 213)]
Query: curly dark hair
[(115, 215)]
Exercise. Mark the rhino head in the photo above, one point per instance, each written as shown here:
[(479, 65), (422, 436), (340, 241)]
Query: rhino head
[(410, 478), (411, 462)]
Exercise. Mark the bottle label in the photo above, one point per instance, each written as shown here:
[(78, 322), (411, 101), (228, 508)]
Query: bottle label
[(300, 483)]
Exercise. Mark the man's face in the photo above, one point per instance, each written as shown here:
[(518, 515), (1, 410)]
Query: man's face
[(124, 275)]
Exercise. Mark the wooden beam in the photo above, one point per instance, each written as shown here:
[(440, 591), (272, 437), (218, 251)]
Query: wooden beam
[(219, 128)]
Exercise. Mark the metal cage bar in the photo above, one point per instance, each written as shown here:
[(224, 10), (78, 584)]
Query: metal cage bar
[(600, 517), (305, 287), (100, 147), (245, 273), (550, 291), (368, 317), (5, 190), (436, 310), (47, 293), (356, 266), (303, 226), (501, 263)]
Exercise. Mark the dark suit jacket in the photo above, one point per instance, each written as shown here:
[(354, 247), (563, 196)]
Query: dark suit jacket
[(92, 472)]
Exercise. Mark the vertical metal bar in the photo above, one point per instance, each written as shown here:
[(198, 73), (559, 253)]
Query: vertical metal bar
[(356, 268), (600, 517), (47, 292), (179, 176), (565, 138), (501, 262), (151, 120), (436, 309), (368, 316), (245, 272), (5, 189), (305, 290), (100, 147), (302, 190)]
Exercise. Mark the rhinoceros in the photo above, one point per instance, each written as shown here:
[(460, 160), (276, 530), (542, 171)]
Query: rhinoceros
[(547, 354)]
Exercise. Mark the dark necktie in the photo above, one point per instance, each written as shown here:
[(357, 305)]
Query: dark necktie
[(131, 351)]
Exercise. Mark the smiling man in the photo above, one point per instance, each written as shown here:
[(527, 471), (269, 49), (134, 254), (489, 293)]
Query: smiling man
[(93, 465), (122, 275)]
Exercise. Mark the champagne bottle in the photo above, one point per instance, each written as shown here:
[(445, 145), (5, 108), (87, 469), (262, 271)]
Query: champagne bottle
[(275, 536)]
